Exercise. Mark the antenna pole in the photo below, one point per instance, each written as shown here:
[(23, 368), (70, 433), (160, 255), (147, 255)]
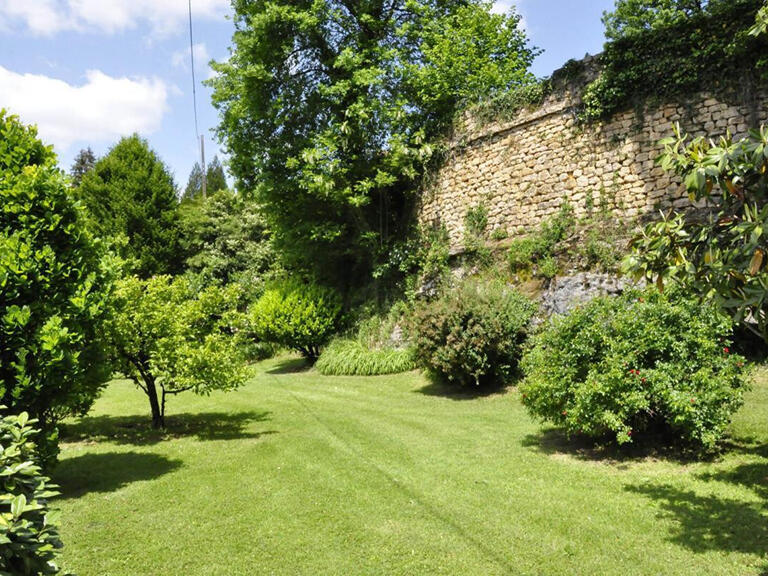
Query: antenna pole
[(202, 155)]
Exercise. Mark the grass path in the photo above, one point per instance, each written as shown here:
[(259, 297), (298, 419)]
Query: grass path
[(297, 473)]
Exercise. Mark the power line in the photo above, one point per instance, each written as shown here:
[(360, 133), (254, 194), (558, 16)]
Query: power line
[(198, 136), (194, 82)]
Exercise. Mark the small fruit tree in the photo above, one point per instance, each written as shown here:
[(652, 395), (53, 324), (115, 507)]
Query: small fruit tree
[(169, 341)]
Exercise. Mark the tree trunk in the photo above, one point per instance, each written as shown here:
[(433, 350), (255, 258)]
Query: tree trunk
[(158, 416)]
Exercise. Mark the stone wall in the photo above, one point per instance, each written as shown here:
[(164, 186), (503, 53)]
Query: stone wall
[(524, 168)]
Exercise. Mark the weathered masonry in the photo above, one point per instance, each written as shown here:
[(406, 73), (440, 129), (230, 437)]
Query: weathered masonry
[(522, 169)]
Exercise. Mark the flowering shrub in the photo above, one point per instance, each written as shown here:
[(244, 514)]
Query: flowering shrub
[(473, 336), (636, 364)]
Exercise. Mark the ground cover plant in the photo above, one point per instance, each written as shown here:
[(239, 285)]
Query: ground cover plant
[(345, 357), (626, 368), (387, 475), (376, 346), (472, 335)]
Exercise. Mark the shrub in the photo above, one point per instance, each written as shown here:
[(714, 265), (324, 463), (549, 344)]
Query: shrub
[(29, 539), (543, 243), (53, 289), (296, 315), (473, 335), (344, 357), (636, 365)]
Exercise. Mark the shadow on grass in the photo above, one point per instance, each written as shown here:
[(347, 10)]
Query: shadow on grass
[(705, 522), (137, 430), (453, 392), (652, 446), (701, 522), (292, 366), (109, 471)]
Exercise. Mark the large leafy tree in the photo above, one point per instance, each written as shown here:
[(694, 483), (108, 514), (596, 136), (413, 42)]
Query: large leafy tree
[(225, 239), (169, 341), (630, 17), (329, 109), (130, 196), (53, 288)]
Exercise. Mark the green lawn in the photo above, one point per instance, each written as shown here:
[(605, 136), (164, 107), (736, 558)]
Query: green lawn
[(297, 473)]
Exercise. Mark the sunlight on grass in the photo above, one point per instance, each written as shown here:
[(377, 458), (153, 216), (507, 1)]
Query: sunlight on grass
[(298, 473)]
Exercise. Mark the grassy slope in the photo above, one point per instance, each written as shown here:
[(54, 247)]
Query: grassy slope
[(303, 474)]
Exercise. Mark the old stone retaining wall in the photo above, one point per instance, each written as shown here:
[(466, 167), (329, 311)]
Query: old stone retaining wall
[(522, 169)]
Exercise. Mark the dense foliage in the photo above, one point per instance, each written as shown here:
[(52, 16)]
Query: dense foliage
[(29, 539), (634, 366), (720, 255), (225, 240), (329, 110), (130, 196), (665, 50), (298, 315), (53, 288), (169, 341), (473, 335)]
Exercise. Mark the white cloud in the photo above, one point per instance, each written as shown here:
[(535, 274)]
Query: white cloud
[(180, 58), (47, 17), (102, 109)]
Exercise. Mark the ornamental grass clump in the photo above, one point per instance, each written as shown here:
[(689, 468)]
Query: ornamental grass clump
[(642, 365), (473, 336)]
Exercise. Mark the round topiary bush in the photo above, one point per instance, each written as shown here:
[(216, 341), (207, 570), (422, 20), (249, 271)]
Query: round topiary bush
[(297, 315), (473, 336), (633, 366)]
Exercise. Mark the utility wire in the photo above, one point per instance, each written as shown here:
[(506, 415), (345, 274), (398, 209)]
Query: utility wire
[(198, 137), (194, 82)]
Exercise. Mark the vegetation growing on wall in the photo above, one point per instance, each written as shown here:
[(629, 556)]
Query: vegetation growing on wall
[(664, 51)]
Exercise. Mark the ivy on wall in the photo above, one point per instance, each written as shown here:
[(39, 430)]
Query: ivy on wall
[(710, 50)]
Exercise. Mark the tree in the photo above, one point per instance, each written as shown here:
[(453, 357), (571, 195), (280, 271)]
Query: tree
[(169, 341), (194, 183), (720, 254), (225, 239), (215, 180), (631, 17), (130, 197), (84, 163), (54, 289), (329, 111)]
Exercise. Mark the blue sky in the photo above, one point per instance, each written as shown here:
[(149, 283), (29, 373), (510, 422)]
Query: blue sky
[(89, 71)]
